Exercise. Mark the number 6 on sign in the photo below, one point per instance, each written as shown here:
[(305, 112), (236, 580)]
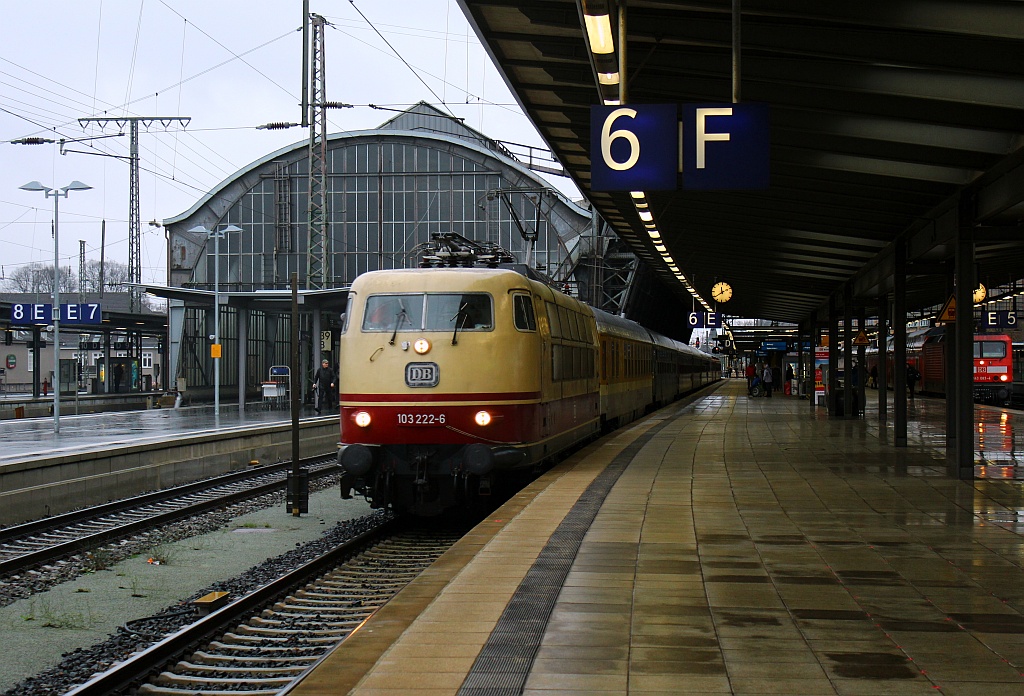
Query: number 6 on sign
[(634, 148), (608, 137)]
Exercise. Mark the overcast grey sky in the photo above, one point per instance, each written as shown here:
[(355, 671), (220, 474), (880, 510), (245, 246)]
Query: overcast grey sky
[(229, 66)]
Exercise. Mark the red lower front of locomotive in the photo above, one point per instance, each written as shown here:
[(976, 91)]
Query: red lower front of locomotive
[(429, 457)]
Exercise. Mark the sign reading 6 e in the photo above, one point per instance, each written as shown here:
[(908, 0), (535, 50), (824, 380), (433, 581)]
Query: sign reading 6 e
[(636, 147)]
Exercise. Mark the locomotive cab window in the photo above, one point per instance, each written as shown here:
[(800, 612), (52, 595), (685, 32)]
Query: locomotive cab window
[(989, 349), (522, 308), (429, 312), (466, 312), (391, 312)]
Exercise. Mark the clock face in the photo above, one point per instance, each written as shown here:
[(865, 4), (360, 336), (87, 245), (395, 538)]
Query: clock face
[(721, 292), (980, 293)]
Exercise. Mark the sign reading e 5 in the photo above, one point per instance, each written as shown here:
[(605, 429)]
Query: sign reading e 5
[(634, 147)]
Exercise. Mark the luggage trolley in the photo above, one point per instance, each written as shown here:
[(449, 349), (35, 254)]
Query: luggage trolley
[(277, 386)]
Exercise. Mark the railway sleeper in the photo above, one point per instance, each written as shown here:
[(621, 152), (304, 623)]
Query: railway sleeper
[(352, 599), (322, 612), (201, 657), (268, 651), (257, 672), (328, 597), (154, 690), (308, 622), (347, 583), (246, 629), (259, 640), (171, 679)]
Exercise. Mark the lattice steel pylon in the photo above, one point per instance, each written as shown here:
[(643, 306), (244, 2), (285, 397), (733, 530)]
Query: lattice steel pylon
[(134, 218), (317, 256)]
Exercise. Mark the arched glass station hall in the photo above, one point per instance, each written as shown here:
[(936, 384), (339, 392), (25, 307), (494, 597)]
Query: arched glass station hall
[(387, 192)]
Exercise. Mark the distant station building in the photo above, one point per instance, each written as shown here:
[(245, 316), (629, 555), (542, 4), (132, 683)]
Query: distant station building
[(122, 351), (421, 183)]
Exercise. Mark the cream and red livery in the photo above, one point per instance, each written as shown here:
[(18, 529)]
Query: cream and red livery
[(451, 378)]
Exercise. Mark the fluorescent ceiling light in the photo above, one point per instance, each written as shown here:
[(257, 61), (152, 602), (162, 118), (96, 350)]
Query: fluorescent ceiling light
[(599, 33)]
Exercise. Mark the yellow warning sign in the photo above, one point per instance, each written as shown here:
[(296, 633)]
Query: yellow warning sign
[(861, 340), (948, 312)]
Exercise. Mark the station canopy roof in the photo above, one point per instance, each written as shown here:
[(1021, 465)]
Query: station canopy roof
[(889, 119)]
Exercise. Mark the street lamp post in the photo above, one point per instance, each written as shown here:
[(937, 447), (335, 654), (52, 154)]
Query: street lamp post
[(56, 195), (215, 351)]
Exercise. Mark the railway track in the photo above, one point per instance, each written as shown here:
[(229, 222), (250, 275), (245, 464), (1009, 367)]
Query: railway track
[(25, 546), (262, 642)]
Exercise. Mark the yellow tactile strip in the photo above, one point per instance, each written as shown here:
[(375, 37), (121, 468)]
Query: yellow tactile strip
[(426, 639)]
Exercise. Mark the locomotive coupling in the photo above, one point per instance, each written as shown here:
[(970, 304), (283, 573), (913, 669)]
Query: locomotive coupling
[(356, 460), (481, 460)]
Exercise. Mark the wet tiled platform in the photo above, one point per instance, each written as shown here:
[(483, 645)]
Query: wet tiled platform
[(746, 547), (30, 438)]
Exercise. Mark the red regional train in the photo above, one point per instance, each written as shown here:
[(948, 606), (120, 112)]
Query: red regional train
[(997, 369), (452, 379)]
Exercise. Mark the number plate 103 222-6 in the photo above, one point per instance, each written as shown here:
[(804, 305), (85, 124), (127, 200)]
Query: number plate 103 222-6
[(422, 374), (424, 419)]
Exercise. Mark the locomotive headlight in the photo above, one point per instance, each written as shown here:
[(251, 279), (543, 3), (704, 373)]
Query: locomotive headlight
[(1003, 378), (421, 346), (482, 418), (362, 419)]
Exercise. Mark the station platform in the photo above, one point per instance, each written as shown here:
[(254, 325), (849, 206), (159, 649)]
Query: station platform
[(26, 439), (728, 545)]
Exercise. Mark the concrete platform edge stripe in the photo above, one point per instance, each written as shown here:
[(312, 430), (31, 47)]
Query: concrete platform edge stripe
[(501, 666)]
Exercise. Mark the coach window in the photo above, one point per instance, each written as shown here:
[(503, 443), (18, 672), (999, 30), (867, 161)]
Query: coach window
[(522, 310), (556, 325)]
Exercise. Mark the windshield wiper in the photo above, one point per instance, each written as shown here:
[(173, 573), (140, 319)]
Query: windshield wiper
[(465, 315), (398, 322)]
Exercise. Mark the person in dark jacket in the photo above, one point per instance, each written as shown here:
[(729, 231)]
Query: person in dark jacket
[(326, 385), (912, 376)]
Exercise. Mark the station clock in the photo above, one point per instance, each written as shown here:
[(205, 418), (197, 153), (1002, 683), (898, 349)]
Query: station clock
[(721, 292)]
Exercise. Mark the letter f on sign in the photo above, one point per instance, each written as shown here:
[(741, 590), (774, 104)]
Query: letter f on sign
[(702, 136)]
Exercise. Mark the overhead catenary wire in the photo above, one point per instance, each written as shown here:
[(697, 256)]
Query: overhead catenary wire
[(399, 55)]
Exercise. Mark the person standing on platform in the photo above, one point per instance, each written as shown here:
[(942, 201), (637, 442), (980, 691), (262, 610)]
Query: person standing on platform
[(912, 376), (766, 379), (751, 372), (118, 376), (873, 377), (326, 386)]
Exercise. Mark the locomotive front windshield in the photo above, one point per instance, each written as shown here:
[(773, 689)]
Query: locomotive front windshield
[(989, 349), (429, 312)]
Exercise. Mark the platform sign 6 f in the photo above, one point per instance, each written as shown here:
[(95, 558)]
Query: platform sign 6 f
[(999, 319), (633, 148), (725, 146)]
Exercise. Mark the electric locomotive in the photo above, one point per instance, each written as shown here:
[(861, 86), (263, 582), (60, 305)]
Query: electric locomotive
[(453, 378)]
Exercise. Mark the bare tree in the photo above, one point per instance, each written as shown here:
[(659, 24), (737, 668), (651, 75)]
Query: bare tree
[(38, 277), (115, 275)]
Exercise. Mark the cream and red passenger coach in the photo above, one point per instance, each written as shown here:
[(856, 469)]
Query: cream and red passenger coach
[(453, 377)]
